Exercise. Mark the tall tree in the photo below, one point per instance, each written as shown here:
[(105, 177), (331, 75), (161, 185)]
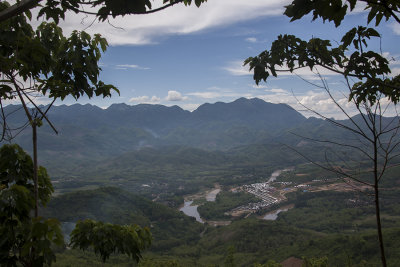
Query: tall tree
[(351, 58), (43, 62), (24, 239)]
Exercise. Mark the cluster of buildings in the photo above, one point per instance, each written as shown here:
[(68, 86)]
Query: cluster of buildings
[(260, 190)]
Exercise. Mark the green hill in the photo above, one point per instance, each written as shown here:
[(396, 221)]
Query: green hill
[(169, 227)]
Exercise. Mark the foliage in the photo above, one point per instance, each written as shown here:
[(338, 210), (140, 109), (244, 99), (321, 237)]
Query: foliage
[(315, 262), (24, 239), (102, 9), (333, 10), (296, 232), (366, 74), (289, 53), (224, 202), (270, 263), (370, 68), (169, 227), (159, 263), (57, 66), (106, 238), (229, 258)]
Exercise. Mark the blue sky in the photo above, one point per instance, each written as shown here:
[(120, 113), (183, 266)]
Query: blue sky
[(187, 56)]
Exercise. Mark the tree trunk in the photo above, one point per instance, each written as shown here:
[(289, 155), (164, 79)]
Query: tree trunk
[(377, 208), (35, 168), (379, 226)]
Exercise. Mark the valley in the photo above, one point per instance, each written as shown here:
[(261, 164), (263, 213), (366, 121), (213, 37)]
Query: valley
[(235, 168), (269, 194)]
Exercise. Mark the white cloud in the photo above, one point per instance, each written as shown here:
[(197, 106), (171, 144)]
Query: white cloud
[(145, 99), (251, 40), (139, 98), (278, 91), (206, 95), (175, 96), (131, 66), (259, 86), (179, 19), (218, 89), (222, 93), (395, 27), (190, 107), (236, 68), (308, 74), (155, 99), (315, 100), (395, 72)]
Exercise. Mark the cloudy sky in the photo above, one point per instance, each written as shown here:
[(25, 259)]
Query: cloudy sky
[(187, 56)]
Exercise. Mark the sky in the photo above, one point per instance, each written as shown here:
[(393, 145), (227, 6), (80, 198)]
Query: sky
[(188, 56)]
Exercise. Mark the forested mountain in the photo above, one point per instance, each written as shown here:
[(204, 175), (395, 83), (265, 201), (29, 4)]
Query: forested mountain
[(122, 128), (152, 157), (244, 131), (168, 226)]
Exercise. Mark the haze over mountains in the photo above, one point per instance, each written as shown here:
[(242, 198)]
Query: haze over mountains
[(122, 128), (89, 133)]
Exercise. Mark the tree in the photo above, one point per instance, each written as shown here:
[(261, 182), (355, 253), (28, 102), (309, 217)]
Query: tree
[(369, 70), (315, 262), (103, 9), (270, 263), (373, 142), (106, 239), (52, 64), (28, 240), (24, 239), (43, 62), (289, 53), (229, 258)]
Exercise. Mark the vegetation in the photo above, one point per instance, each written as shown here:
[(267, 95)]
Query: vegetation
[(54, 66), (338, 225), (169, 227), (100, 9), (25, 239), (224, 202), (106, 239), (366, 74), (29, 240)]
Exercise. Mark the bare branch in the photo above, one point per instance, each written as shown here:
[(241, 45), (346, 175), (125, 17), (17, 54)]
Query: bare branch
[(40, 111), (334, 143)]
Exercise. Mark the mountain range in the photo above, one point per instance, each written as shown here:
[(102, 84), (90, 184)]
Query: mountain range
[(121, 127), (90, 134)]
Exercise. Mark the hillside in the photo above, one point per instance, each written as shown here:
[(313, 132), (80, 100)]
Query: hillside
[(169, 227), (320, 224), (86, 130)]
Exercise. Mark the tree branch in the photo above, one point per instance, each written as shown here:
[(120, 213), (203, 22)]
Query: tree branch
[(18, 8)]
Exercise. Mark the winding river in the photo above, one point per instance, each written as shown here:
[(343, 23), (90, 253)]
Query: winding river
[(190, 210), (273, 215)]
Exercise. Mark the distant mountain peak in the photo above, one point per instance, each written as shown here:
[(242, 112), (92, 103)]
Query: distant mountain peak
[(118, 106)]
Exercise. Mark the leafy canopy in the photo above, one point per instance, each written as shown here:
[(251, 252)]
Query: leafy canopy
[(102, 9), (56, 65), (106, 238), (336, 10), (24, 239), (349, 58)]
